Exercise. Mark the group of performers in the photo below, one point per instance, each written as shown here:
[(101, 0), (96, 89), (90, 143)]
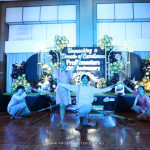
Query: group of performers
[(17, 107)]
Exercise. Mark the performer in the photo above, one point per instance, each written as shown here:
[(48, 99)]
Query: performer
[(17, 106), (143, 99), (84, 98), (62, 94)]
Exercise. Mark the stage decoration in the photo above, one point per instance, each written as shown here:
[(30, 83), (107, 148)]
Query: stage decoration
[(105, 42), (105, 113), (116, 67), (101, 83), (20, 81), (45, 109), (39, 47), (18, 69), (39, 118), (60, 42), (148, 59), (45, 86), (129, 45)]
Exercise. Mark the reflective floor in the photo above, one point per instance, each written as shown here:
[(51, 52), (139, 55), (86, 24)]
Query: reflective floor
[(109, 134)]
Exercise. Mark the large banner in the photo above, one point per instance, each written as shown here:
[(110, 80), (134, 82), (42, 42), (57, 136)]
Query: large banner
[(92, 64)]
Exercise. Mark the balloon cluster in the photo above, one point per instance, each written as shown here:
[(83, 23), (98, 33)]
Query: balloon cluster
[(101, 83), (52, 57), (47, 70), (20, 81), (60, 42), (130, 83), (113, 80), (122, 77), (114, 56), (146, 83), (145, 67), (18, 69), (116, 66), (105, 42)]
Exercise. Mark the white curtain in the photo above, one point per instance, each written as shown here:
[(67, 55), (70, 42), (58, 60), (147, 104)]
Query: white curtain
[(13, 58)]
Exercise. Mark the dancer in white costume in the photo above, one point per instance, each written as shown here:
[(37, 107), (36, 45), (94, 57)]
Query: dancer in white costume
[(85, 96), (17, 106)]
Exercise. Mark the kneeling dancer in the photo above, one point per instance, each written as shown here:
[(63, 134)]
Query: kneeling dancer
[(17, 106), (85, 96), (144, 100)]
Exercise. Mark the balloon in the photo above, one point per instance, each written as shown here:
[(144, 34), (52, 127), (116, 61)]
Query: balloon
[(48, 72), (67, 41), (24, 81), (107, 49), (28, 84), (147, 73), (112, 72), (120, 67), (102, 47), (118, 61), (111, 47), (110, 38), (108, 44), (115, 68), (60, 38), (105, 36), (107, 39), (64, 38), (56, 37), (110, 64), (62, 41), (58, 47), (19, 83), (57, 42), (114, 63), (24, 75), (22, 67), (64, 45), (100, 42)]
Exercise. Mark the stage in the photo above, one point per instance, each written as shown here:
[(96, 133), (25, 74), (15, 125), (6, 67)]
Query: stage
[(36, 101)]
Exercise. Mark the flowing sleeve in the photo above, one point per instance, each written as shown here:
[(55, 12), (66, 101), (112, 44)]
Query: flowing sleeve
[(72, 88), (135, 93), (148, 101), (96, 90)]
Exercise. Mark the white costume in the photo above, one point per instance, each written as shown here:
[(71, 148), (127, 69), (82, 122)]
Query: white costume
[(84, 98), (16, 103)]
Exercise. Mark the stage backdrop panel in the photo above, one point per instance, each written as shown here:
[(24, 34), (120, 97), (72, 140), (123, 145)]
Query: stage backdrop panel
[(135, 62), (93, 63)]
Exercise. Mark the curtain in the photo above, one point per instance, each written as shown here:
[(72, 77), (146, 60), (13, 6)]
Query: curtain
[(142, 54), (13, 58)]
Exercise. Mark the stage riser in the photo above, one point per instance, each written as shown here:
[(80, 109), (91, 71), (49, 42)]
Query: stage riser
[(121, 104)]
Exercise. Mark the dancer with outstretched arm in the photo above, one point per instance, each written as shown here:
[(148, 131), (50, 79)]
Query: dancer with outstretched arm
[(84, 97), (63, 94), (144, 100)]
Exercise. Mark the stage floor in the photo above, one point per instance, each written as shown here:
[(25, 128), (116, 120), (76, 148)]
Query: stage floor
[(110, 134)]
